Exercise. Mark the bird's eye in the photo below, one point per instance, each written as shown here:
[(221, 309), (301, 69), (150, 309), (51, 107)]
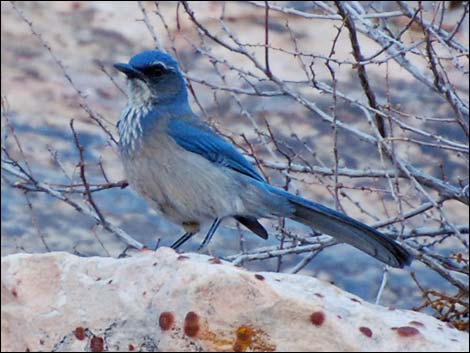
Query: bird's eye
[(154, 70)]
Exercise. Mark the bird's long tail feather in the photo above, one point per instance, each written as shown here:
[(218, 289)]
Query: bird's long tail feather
[(346, 229)]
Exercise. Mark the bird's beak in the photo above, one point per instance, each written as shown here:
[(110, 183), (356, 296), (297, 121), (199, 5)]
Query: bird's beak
[(130, 71)]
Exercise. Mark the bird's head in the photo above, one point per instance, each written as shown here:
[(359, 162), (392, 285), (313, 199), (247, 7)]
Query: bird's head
[(153, 78)]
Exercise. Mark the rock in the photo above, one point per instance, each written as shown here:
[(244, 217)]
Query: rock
[(169, 302)]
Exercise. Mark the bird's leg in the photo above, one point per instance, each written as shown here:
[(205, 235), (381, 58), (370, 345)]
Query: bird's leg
[(182, 240), (191, 228), (210, 234), (123, 254)]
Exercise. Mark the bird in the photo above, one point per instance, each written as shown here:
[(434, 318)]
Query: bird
[(193, 176)]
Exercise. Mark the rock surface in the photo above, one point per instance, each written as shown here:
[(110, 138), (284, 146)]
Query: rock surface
[(170, 302)]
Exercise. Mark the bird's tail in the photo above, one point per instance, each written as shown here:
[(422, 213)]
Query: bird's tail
[(346, 229)]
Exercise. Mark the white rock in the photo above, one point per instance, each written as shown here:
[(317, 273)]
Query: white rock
[(169, 302)]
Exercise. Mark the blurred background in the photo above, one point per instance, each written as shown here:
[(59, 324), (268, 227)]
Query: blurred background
[(362, 106)]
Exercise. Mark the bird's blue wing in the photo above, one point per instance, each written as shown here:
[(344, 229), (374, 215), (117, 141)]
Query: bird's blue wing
[(198, 138)]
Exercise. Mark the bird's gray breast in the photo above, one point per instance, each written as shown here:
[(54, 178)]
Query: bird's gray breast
[(182, 185)]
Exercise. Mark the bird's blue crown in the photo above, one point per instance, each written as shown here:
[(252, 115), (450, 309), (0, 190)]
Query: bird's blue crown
[(150, 57)]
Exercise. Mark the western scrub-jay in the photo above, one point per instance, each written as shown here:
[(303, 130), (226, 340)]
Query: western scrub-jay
[(191, 175)]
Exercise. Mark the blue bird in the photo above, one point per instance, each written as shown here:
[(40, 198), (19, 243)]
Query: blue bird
[(192, 176)]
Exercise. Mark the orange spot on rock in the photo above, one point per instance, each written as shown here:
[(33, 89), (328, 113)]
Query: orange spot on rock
[(416, 323), (244, 333), (366, 331), (79, 333), (317, 318), (406, 331), (97, 344), (191, 324), (215, 260), (166, 320), (244, 337)]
